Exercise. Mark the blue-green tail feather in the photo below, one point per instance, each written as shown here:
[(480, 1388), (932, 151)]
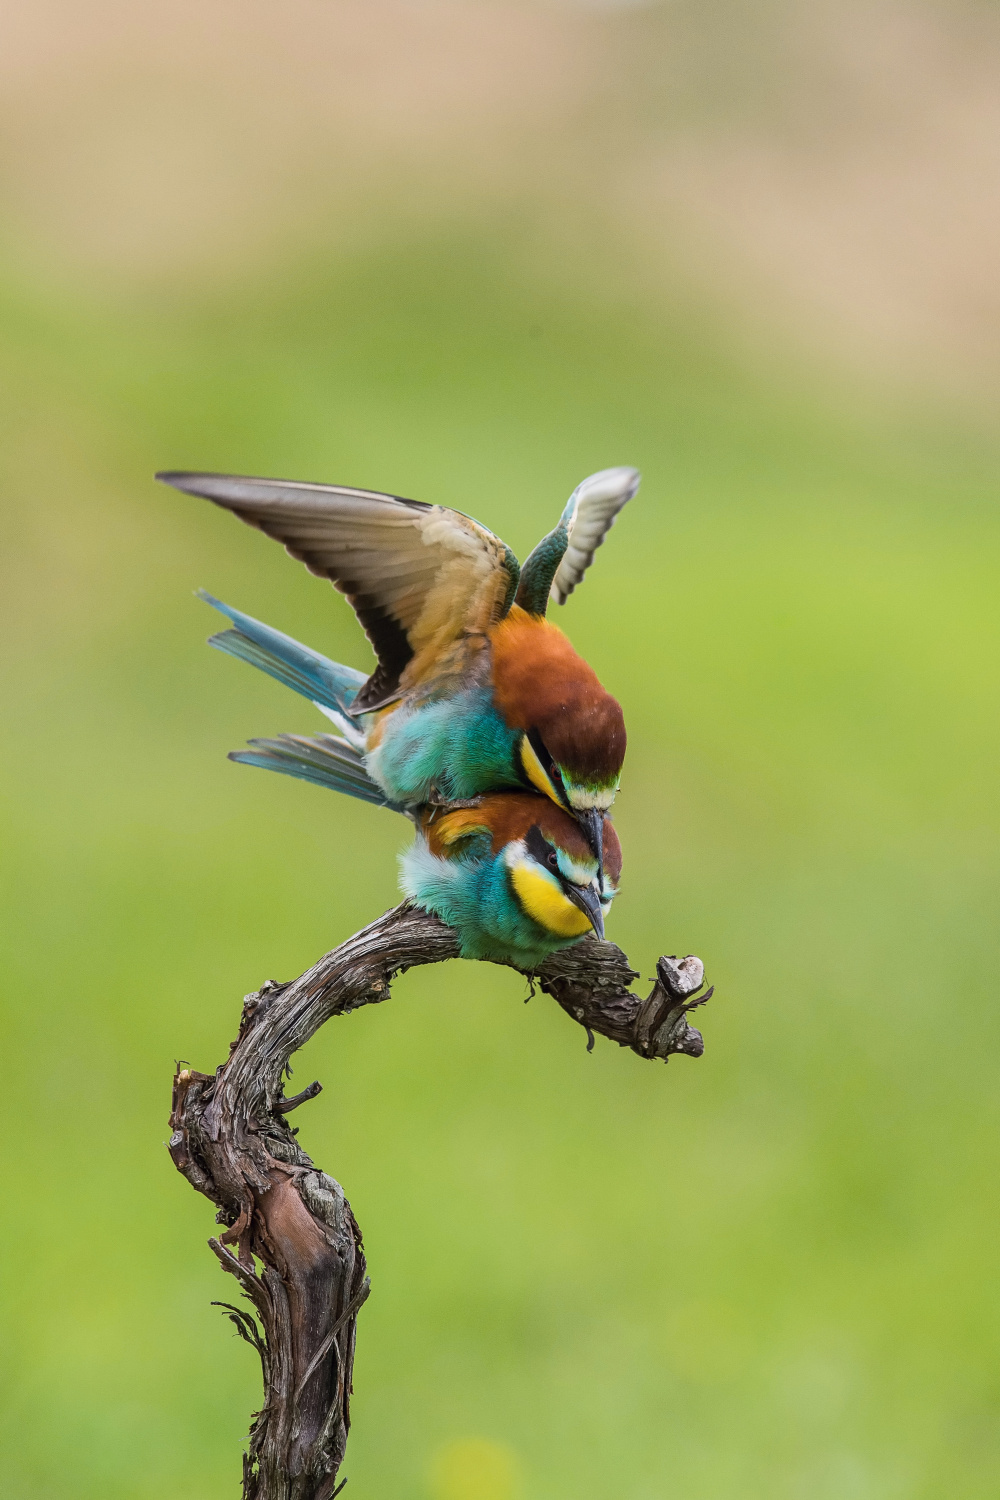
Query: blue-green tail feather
[(328, 684), (323, 759)]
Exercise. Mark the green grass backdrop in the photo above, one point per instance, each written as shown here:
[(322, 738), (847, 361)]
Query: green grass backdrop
[(767, 1275)]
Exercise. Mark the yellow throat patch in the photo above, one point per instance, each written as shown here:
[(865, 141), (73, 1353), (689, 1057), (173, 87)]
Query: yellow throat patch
[(542, 899), (537, 774)]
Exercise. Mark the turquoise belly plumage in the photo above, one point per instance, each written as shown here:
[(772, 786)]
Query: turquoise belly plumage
[(455, 748), (474, 689)]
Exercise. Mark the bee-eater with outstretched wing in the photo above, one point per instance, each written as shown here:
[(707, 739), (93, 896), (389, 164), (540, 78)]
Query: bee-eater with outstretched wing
[(475, 690)]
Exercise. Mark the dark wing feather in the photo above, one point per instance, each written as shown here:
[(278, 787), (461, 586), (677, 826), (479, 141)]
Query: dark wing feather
[(420, 577)]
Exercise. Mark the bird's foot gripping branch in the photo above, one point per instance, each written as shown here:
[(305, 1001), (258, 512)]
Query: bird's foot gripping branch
[(290, 1239)]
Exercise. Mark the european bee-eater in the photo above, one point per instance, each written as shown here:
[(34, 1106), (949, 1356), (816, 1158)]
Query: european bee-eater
[(474, 689), (514, 876)]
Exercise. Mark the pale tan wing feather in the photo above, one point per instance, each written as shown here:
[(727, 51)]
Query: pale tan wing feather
[(590, 514), (424, 581)]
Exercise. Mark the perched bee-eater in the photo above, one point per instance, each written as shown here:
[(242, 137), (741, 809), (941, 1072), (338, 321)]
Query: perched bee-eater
[(474, 690), (514, 876)]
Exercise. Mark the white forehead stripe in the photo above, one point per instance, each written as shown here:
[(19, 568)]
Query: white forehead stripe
[(583, 801), (580, 874)]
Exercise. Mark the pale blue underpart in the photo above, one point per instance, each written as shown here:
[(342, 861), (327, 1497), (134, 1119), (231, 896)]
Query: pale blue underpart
[(473, 894)]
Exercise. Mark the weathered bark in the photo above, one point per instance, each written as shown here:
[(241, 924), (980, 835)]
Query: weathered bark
[(291, 1240)]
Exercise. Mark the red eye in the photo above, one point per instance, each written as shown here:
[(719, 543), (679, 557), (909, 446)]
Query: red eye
[(553, 861)]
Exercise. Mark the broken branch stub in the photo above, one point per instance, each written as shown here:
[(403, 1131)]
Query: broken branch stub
[(290, 1239)]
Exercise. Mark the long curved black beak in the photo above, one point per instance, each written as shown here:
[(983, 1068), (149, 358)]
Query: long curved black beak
[(589, 902), (592, 823)]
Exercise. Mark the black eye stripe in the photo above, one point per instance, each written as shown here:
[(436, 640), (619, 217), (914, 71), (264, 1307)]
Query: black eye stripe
[(536, 844), (547, 760), (542, 851), (538, 745)]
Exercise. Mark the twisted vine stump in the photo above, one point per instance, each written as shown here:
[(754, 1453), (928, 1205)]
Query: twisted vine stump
[(290, 1239)]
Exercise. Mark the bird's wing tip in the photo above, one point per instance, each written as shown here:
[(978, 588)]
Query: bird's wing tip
[(609, 483), (181, 479)]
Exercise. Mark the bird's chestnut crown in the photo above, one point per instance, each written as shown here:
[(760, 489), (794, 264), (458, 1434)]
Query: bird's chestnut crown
[(573, 732)]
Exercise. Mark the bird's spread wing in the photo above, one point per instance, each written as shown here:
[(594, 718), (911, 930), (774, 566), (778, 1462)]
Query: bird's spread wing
[(590, 513), (558, 563), (422, 579)]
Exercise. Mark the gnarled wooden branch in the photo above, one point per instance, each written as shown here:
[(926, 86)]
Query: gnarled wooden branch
[(290, 1239)]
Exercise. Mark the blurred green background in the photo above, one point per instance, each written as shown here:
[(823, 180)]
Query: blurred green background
[(470, 253)]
